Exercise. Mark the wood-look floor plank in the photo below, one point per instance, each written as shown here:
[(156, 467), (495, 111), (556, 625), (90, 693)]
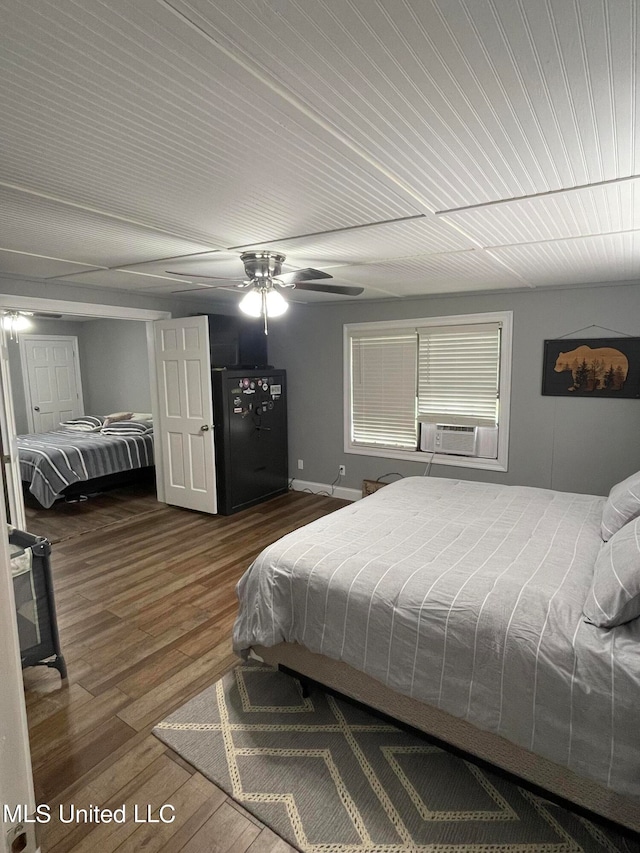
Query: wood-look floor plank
[(186, 801), (146, 604), (269, 842), (151, 789), (133, 750), (65, 700), (139, 759), (177, 689), (67, 764), (209, 634), (223, 832), (40, 681), (72, 610), (194, 823), (69, 723), (120, 665), (65, 521), (153, 672)]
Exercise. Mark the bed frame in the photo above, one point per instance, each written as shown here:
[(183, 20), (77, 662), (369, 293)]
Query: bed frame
[(458, 733), (79, 491)]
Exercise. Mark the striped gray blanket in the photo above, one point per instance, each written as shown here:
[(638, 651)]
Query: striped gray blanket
[(51, 461), (467, 596)]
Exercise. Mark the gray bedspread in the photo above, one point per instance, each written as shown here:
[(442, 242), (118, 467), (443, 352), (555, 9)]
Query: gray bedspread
[(51, 461), (467, 596)]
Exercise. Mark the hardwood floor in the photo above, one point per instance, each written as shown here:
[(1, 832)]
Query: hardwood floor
[(145, 607)]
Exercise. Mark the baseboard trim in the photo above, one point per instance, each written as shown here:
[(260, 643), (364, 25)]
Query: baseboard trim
[(338, 491)]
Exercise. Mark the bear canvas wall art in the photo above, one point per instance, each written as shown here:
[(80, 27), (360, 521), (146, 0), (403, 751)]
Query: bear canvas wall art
[(597, 367)]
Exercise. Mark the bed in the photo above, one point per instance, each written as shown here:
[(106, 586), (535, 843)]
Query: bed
[(71, 461), (467, 610)]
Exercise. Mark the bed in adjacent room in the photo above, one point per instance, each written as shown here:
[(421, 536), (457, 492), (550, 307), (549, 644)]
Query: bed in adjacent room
[(84, 455), (502, 619)]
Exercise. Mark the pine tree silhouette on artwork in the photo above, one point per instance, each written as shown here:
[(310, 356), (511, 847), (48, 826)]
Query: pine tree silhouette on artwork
[(608, 379), (618, 378), (595, 371), (581, 376)]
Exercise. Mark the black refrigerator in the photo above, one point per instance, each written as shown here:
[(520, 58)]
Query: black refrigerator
[(250, 417)]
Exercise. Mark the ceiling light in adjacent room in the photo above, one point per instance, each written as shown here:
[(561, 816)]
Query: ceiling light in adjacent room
[(14, 322)]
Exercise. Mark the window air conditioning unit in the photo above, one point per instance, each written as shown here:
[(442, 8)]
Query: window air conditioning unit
[(455, 439)]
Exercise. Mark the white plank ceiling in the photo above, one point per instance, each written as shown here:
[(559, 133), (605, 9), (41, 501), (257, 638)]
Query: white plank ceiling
[(406, 146)]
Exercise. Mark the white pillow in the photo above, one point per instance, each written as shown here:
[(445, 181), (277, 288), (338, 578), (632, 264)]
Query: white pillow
[(117, 416), (622, 506), (614, 597)]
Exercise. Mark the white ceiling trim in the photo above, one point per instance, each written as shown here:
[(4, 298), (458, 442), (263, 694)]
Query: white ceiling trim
[(514, 199), (51, 258), (60, 306)]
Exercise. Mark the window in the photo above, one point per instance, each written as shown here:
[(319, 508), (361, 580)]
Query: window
[(384, 389), (458, 370), (402, 378)]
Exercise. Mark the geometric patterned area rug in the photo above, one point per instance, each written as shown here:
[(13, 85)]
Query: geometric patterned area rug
[(330, 778)]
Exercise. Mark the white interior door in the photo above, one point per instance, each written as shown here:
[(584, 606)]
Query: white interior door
[(51, 371), (185, 439), (10, 458)]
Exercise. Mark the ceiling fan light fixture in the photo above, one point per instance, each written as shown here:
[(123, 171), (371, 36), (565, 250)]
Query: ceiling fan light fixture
[(251, 304), (276, 304)]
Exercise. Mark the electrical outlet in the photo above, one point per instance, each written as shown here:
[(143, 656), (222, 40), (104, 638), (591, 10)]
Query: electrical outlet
[(22, 837), (342, 470), (300, 464)]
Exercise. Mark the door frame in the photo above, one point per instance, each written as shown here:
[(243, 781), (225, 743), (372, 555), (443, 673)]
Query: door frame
[(22, 341), (16, 776), (88, 310), (16, 780)]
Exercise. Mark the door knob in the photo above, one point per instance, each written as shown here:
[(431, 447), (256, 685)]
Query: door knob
[(204, 427), (36, 408)]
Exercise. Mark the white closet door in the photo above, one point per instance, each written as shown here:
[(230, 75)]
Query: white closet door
[(52, 380)]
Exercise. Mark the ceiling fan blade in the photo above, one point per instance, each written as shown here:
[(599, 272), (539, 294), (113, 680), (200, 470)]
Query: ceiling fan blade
[(45, 315), (203, 286), (208, 277), (302, 275), (329, 288)]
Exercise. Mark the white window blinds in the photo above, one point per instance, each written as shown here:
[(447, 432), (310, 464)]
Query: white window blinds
[(383, 389), (458, 371)]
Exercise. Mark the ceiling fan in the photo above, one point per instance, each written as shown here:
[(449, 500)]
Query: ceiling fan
[(265, 282)]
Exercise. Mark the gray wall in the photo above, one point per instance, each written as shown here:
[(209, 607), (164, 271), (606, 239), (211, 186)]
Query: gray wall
[(115, 366), (571, 444)]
